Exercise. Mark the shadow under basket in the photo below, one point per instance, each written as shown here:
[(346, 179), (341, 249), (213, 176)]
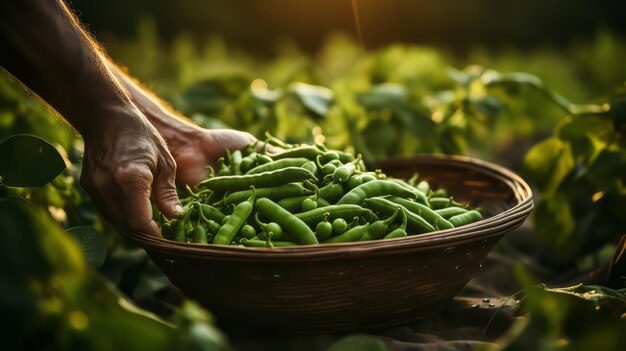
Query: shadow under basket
[(352, 286)]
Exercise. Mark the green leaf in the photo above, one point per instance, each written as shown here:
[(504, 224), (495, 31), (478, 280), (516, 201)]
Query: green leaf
[(92, 243), (554, 223), (548, 163), (361, 342), (316, 98), (383, 95), (28, 161), (608, 171)]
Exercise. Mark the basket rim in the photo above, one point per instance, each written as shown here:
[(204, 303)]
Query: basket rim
[(484, 229)]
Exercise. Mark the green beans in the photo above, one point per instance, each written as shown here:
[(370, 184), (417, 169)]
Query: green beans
[(211, 212), (423, 211), (279, 164), (344, 172), (400, 231), (378, 229), (303, 196), (375, 188), (466, 218), (352, 234), (315, 216), (199, 235), (450, 211), (331, 192), (274, 193), (263, 243), (437, 203), (298, 231), (265, 179), (416, 224), (233, 225), (308, 152)]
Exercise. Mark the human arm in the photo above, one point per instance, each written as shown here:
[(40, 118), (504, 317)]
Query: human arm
[(125, 160), (191, 146)]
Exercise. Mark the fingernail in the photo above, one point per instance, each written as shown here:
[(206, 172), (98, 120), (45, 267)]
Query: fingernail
[(178, 208)]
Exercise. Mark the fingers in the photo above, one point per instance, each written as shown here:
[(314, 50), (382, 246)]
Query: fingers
[(122, 196), (165, 195), (134, 181)]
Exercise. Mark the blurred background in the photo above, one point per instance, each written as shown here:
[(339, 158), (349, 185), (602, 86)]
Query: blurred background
[(457, 26)]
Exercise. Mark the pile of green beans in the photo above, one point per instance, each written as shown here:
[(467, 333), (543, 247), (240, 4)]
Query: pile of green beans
[(306, 195)]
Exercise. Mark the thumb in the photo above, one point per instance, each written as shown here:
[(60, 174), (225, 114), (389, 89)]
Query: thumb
[(165, 195)]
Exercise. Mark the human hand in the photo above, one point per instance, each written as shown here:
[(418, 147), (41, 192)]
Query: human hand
[(203, 147), (125, 161)]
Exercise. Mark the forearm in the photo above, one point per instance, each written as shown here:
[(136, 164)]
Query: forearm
[(44, 47), (174, 128)]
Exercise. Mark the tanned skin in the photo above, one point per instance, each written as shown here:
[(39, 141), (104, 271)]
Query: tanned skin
[(135, 145)]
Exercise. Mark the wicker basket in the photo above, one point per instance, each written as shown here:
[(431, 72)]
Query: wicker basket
[(352, 286)]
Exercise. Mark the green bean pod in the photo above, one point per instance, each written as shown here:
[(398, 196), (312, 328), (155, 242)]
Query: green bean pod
[(198, 235), (421, 197), (211, 212), (236, 220), (399, 232), (235, 162), (449, 212), (294, 204), (283, 163), (423, 211), (347, 212), (439, 193), (423, 186), (331, 192), (260, 180), (375, 188), (274, 193), (466, 218), (344, 172), (437, 203), (297, 229), (263, 243), (352, 234), (378, 229), (306, 151), (180, 233), (166, 231), (416, 223), (248, 162)]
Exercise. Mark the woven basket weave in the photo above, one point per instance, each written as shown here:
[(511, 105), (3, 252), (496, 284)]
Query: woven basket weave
[(352, 286)]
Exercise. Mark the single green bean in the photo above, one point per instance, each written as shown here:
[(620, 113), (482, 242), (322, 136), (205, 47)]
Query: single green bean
[(274, 193), (198, 235), (416, 223), (297, 229), (347, 212), (283, 163), (233, 225), (260, 180), (449, 212), (466, 218), (352, 234), (306, 151), (423, 211), (375, 188), (263, 243)]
